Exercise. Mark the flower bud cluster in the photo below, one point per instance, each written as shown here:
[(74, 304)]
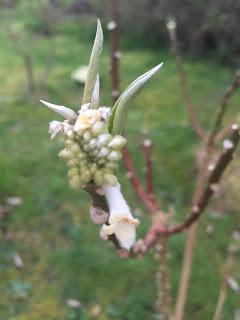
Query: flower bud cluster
[(91, 152)]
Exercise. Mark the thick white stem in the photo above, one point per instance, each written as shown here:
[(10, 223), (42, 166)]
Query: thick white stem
[(115, 200)]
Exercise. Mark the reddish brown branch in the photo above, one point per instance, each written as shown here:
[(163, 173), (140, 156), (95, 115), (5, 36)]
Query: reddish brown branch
[(191, 109), (113, 27), (147, 146), (159, 228), (142, 195), (223, 108), (212, 182)]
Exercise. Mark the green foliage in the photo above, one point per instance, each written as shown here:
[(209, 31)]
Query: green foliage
[(93, 66), (120, 108)]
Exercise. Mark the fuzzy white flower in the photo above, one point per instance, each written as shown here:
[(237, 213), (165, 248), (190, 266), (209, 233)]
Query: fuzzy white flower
[(86, 119), (56, 127), (105, 113), (121, 223)]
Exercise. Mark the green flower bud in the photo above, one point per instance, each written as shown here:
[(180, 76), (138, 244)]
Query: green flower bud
[(93, 169), (75, 182), (110, 179), (112, 165), (86, 147), (104, 138), (101, 161), (70, 134), (73, 172), (69, 142), (65, 154), (104, 151), (75, 148), (87, 136), (93, 153), (72, 162), (81, 156), (117, 142), (93, 144), (98, 178), (86, 177), (83, 163), (114, 155), (98, 128)]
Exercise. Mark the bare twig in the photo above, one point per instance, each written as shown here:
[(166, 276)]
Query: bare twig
[(147, 146), (152, 207), (27, 61), (113, 27), (232, 250), (212, 182), (191, 109), (223, 107)]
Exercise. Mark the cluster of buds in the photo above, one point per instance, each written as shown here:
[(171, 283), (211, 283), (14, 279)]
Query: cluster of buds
[(92, 155), (91, 152)]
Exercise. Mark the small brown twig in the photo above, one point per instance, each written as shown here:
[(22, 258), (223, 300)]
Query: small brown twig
[(212, 183), (222, 110), (151, 205), (113, 27), (191, 109), (147, 147), (232, 250)]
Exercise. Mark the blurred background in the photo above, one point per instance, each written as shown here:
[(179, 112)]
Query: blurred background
[(53, 265)]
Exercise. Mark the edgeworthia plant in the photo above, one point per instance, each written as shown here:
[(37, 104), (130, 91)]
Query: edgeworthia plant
[(92, 150)]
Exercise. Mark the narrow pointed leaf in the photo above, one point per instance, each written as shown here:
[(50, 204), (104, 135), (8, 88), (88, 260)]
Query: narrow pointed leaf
[(93, 65), (65, 112), (95, 95), (119, 111)]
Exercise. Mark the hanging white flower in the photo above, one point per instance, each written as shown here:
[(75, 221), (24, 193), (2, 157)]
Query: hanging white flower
[(121, 223)]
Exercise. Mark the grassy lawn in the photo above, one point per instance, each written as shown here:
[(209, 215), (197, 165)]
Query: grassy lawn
[(63, 255)]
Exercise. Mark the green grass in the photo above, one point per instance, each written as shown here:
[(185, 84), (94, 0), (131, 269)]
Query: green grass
[(63, 255)]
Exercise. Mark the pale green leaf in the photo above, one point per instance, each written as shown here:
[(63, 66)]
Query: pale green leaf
[(93, 65), (119, 111)]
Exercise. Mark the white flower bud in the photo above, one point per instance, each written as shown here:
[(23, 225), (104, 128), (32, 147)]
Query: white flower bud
[(114, 155), (104, 151), (105, 113), (104, 138), (93, 144), (87, 136), (54, 128), (98, 128), (118, 142)]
